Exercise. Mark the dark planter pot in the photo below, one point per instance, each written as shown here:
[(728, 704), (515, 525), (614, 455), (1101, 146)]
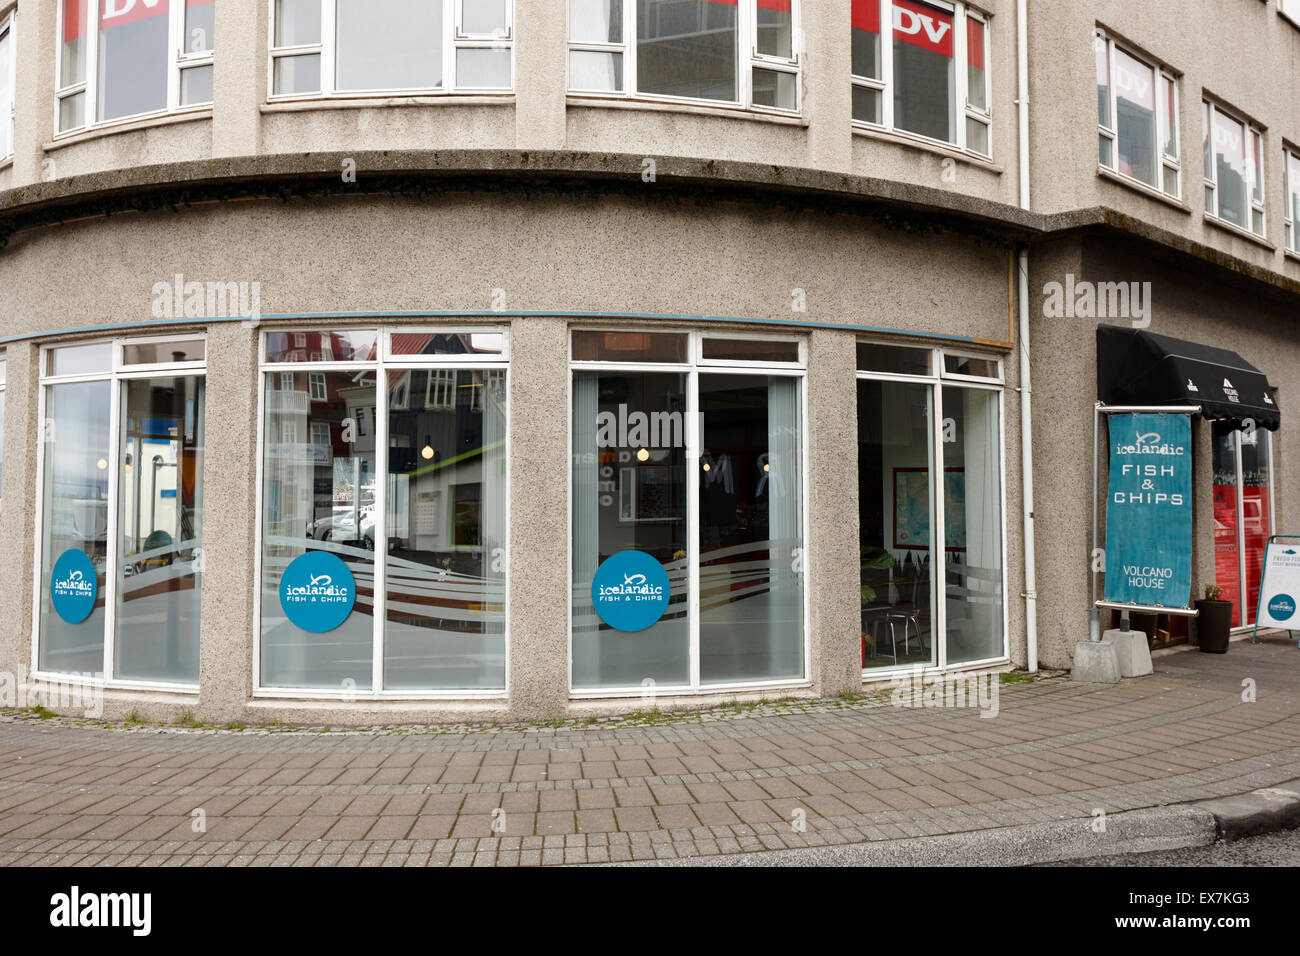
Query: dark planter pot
[(1212, 625)]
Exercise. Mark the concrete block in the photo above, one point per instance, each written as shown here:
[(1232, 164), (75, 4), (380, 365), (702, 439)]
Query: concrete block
[(1095, 662), (1132, 651)]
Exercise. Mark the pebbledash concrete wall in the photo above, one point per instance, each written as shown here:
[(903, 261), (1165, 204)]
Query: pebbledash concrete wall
[(541, 194)]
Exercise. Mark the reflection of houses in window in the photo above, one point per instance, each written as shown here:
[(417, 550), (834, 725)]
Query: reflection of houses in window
[(316, 387), (320, 434), (475, 391), (399, 397), (440, 389)]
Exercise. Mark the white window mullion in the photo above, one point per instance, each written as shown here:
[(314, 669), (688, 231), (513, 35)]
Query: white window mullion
[(629, 48), (939, 537), (961, 91), (746, 36), (111, 583), (328, 40), (176, 49), (694, 442), (887, 63), (380, 551), (449, 12), (91, 113)]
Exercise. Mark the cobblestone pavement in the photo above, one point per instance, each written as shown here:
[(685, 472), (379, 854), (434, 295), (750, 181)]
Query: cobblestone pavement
[(100, 796)]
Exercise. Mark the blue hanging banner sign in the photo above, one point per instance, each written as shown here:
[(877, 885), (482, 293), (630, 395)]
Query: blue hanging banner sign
[(1149, 510), (630, 591), (317, 592), (73, 586)]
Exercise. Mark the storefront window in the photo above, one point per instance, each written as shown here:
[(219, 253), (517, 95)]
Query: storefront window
[(129, 472), (914, 426), (737, 52), (930, 75), (1243, 515), (139, 48), (407, 494), (723, 518), (160, 515), (325, 47)]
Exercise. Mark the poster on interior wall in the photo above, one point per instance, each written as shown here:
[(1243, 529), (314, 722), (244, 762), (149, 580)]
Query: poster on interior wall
[(1149, 511), (1279, 588), (912, 509)]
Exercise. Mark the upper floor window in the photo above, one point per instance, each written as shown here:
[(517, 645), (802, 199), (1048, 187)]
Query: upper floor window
[(1137, 118), (927, 75), (1290, 8), (326, 47), (743, 52), (7, 86), (1234, 169), (132, 57), (1292, 173)]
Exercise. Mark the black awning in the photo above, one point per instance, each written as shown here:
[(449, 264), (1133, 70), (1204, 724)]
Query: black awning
[(1136, 367)]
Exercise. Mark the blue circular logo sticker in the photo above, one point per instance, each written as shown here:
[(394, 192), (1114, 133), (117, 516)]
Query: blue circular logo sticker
[(317, 592), (1281, 607), (73, 586), (630, 591)]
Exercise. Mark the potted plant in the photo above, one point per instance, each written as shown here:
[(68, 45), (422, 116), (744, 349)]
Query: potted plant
[(1213, 621)]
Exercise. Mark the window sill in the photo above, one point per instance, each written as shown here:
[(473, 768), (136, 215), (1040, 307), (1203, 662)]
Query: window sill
[(6, 162), (371, 101), (1291, 254), (704, 109), (1140, 187), (129, 125), (929, 145), (1239, 232)]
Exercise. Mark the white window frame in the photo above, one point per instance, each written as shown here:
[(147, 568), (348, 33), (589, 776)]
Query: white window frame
[(1290, 182), (316, 434), (453, 39), (961, 106), (1254, 177), (116, 373), (692, 369), (314, 379), (937, 378), (440, 390), (178, 60), (8, 34), (384, 364), (747, 60), (1166, 84), (1290, 9)]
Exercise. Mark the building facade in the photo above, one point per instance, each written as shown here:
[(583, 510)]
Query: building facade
[(347, 345)]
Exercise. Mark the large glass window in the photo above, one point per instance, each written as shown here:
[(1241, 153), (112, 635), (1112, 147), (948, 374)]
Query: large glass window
[(1137, 117), (1243, 515), (1234, 176), (742, 52), (121, 515), (689, 449), (125, 58), (928, 75), (326, 47), (408, 493), (922, 415)]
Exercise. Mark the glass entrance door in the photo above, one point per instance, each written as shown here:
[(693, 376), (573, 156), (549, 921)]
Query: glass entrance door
[(1243, 515)]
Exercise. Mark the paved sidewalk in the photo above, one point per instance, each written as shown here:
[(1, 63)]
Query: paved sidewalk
[(864, 772)]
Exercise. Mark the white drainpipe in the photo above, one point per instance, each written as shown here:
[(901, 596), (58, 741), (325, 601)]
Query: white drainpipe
[(1026, 391)]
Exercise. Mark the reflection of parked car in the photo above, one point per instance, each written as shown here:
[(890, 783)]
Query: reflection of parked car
[(341, 526)]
